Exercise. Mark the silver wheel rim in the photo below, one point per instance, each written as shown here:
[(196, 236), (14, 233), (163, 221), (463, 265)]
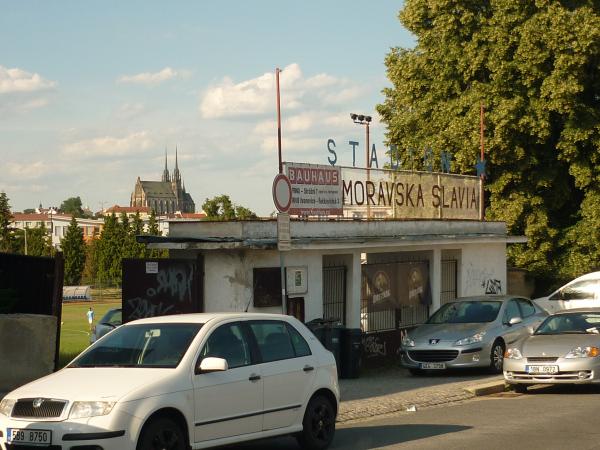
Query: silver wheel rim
[(498, 357)]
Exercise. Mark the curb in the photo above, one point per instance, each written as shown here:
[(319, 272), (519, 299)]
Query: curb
[(494, 387)]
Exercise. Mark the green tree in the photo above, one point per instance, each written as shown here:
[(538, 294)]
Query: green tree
[(74, 250), (221, 208), (153, 229), (533, 64), (72, 206), (110, 251), (137, 229), (90, 270), (5, 219), (38, 241)]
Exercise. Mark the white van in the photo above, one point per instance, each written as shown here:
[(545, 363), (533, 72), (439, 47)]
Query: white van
[(582, 292)]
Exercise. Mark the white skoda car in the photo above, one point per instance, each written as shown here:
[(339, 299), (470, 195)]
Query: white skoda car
[(175, 382)]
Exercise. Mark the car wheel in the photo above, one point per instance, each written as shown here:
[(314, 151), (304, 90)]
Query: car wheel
[(162, 433), (318, 424), (520, 388), (497, 356)]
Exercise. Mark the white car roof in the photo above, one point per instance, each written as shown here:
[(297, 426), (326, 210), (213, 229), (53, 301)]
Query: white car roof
[(588, 276), (205, 317)]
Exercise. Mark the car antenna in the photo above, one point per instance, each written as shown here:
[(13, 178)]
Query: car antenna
[(248, 306)]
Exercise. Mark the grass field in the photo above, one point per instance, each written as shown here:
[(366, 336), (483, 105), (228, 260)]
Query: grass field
[(75, 331)]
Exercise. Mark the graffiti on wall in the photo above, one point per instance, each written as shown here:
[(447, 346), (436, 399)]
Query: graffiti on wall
[(481, 280), (374, 346), (169, 287), (492, 286)]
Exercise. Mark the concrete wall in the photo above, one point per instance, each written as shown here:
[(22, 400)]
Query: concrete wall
[(27, 348), (482, 270)]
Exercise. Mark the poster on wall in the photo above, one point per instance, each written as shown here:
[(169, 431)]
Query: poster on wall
[(394, 285)]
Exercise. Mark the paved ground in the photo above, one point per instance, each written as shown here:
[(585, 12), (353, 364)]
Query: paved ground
[(391, 390)]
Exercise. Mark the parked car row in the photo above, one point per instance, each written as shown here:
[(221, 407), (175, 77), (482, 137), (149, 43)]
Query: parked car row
[(515, 336)]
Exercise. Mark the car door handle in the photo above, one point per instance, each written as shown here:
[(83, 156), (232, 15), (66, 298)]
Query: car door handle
[(308, 368), (254, 377)]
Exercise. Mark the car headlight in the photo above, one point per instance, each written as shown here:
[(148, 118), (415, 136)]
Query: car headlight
[(407, 342), (583, 352), (6, 406), (513, 353), (81, 410), (471, 339)]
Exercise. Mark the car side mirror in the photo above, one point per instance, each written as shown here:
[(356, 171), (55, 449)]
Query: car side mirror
[(515, 321), (211, 364)]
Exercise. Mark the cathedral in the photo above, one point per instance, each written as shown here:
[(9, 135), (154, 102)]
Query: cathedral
[(166, 196)]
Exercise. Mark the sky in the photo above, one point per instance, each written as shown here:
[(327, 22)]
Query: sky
[(93, 93)]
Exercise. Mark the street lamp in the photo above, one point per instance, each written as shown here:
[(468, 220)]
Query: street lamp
[(362, 119)]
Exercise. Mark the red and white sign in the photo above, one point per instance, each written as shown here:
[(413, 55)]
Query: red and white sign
[(282, 193), (316, 189)]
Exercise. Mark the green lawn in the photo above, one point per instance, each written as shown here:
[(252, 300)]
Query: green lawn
[(75, 331)]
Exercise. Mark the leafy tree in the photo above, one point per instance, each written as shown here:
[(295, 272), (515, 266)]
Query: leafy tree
[(90, 270), (153, 229), (72, 206), (73, 247), (221, 208), (29, 211), (5, 219), (533, 64), (137, 229)]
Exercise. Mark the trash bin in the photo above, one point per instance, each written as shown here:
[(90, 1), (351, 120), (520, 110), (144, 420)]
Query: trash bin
[(328, 332), (351, 352)]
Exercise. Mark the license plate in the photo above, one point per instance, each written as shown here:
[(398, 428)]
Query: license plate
[(433, 366), (542, 369), (27, 436)]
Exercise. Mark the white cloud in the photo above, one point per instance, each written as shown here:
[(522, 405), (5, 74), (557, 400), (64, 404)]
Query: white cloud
[(33, 170), (151, 79), (110, 146), (129, 111), (257, 96), (18, 80)]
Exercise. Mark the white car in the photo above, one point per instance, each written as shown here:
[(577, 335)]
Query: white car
[(582, 292), (175, 382)]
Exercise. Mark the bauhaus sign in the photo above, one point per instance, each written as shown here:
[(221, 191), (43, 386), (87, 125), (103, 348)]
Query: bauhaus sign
[(351, 192)]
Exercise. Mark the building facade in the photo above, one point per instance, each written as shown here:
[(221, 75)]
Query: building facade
[(166, 196)]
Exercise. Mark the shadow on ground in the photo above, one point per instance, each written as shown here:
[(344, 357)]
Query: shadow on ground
[(392, 380), (361, 438)]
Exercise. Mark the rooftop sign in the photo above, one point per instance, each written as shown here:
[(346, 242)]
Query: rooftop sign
[(383, 194)]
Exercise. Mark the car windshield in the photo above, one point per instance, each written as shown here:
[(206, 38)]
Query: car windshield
[(572, 323), (147, 345), (466, 312)]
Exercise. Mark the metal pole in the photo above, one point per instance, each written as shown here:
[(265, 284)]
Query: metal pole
[(278, 120), (281, 258), (368, 172), (482, 177)]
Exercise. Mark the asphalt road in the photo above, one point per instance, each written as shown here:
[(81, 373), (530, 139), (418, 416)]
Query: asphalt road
[(551, 418)]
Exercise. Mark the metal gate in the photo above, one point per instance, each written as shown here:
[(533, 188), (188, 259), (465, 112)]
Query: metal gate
[(334, 293), (449, 281)]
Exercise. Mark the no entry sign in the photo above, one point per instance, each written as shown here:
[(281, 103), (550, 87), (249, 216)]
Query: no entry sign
[(282, 193)]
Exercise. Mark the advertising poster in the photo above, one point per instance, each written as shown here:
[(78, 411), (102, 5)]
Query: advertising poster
[(316, 189)]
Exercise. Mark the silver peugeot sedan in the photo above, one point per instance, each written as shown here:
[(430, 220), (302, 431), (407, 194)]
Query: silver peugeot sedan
[(470, 332), (565, 348)]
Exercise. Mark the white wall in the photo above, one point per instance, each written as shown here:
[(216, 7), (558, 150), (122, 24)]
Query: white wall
[(483, 266)]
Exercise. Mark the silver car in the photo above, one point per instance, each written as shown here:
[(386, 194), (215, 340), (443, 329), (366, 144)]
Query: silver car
[(470, 332), (565, 348), (109, 321)]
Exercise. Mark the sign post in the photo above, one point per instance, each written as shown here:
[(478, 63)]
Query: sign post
[(282, 197)]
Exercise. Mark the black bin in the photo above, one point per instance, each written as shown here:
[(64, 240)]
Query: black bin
[(351, 352), (329, 332)]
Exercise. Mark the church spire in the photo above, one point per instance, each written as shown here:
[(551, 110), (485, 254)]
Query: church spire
[(166, 176), (176, 175)]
